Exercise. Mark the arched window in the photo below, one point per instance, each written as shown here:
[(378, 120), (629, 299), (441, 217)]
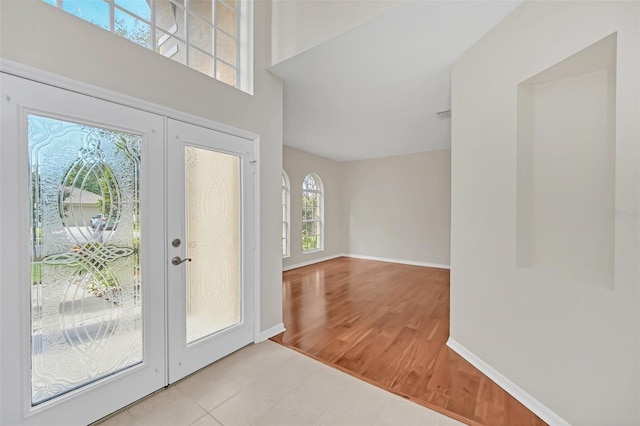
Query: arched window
[(312, 213), (285, 214)]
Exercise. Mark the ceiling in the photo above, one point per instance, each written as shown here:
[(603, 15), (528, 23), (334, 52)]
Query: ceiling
[(374, 91)]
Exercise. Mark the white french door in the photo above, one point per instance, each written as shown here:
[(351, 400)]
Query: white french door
[(211, 246), (93, 314)]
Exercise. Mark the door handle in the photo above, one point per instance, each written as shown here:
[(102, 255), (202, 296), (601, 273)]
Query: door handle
[(177, 261)]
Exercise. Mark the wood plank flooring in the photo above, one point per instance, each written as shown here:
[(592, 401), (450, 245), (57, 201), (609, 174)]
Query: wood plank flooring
[(388, 324)]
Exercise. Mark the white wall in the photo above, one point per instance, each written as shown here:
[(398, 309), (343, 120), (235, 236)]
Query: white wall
[(298, 164), (399, 207), (395, 208), (572, 346), (39, 35), (299, 25)]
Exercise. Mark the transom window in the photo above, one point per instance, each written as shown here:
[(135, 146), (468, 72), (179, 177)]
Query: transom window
[(285, 214), (312, 213), (210, 36)]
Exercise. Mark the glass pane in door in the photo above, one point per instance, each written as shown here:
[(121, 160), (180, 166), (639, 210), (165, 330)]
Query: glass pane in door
[(85, 277), (213, 241)]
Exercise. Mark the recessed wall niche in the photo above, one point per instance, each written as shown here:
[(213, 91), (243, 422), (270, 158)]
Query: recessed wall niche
[(566, 168)]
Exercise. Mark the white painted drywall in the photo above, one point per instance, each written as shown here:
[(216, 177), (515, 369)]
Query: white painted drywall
[(36, 34), (572, 346), (374, 91), (299, 25), (399, 207), (298, 164)]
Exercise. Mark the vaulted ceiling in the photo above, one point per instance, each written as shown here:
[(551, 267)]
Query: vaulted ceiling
[(374, 90)]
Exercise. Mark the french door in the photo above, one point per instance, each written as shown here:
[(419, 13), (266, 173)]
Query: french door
[(210, 228), (93, 313)]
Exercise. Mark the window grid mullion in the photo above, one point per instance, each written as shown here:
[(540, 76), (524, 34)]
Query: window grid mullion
[(154, 37), (154, 32), (237, 10), (112, 16), (214, 7), (187, 43)]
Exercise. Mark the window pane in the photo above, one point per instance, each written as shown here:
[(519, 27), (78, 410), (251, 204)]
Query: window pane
[(225, 19), (133, 29), (200, 34), (226, 73), (209, 25), (139, 7), (200, 61), (170, 18), (231, 3), (203, 9), (171, 47), (96, 12), (213, 241), (225, 48), (86, 315)]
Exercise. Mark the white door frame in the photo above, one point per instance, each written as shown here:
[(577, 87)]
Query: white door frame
[(36, 75)]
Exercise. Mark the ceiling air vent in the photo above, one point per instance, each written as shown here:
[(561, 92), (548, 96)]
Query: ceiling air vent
[(444, 115)]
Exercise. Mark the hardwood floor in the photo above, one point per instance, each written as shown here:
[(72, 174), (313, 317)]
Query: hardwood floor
[(388, 324)]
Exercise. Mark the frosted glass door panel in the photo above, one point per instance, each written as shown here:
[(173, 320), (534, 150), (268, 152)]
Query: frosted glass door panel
[(212, 241), (85, 267)]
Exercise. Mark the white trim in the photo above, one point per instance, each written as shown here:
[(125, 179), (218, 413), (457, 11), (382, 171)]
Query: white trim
[(37, 75), (270, 332), (511, 388), (287, 212), (404, 262), (360, 256), (256, 236), (310, 262), (244, 61)]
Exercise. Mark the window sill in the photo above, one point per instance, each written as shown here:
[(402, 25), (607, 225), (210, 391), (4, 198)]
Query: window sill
[(313, 251)]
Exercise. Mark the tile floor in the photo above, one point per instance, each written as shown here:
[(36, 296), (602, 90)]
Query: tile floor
[(268, 384)]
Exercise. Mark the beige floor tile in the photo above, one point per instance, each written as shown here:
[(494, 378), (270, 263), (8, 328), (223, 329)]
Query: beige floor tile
[(331, 383), (279, 417), (209, 390), (267, 384), (123, 418), (398, 411), (240, 367), (341, 413), (299, 366), (447, 421), (244, 408), (274, 384), (169, 407), (306, 403), (269, 352), (206, 420)]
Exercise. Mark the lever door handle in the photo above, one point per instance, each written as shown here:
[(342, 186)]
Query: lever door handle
[(177, 261)]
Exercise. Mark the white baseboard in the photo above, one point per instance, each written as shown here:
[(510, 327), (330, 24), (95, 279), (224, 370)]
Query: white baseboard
[(511, 388), (310, 262), (360, 256), (270, 332), (404, 262)]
